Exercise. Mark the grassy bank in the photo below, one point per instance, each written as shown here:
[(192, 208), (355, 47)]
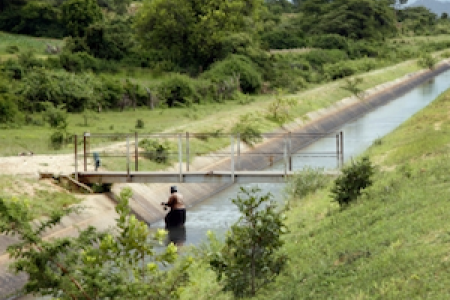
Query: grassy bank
[(392, 244), (202, 118)]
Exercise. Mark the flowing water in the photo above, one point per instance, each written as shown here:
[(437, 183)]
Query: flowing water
[(218, 212)]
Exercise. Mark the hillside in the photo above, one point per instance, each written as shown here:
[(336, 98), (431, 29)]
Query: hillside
[(436, 6), (393, 243)]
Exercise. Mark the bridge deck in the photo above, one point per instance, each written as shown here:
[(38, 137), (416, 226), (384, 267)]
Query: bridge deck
[(188, 177)]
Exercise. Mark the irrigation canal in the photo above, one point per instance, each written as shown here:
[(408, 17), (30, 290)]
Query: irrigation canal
[(218, 212)]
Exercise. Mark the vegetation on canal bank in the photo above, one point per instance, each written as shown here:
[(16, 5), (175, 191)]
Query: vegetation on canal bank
[(391, 244)]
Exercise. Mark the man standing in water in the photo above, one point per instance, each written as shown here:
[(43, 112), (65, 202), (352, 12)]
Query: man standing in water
[(177, 214), (176, 217)]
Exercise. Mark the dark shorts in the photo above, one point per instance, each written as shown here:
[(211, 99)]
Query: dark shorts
[(175, 218)]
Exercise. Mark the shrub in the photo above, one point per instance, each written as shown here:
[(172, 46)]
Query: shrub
[(156, 151), (56, 117), (58, 87), (57, 140), (279, 109), (329, 41), (339, 70), (11, 49), (139, 123), (78, 62), (235, 65), (318, 58), (427, 61), (251, 257), (306, 182), (9, 111), (12, 69), (248, 129), (355, 178), (177, 90)]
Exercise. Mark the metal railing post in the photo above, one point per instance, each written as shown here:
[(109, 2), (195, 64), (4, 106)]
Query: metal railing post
[(342, 149), (285, 156), (128, 156), (136, 152), (180, 157), (338, 156), (238, 151), (187, 151), (232, 157), (85, 151), (290, 151), (76, 157)]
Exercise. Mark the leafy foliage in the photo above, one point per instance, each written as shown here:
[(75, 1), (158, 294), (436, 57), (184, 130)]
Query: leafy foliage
[(279, 109), (248, 129), (355, 178), (427, 61), (306, 182), (94, 265), (78, 15), (58, 87), (190, 32), (177, 90), (251, 256), (156, 151), (353, 86), (355, 19), (236, 65), (9, 111)]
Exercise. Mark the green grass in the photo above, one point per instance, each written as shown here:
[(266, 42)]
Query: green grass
[(392, 244), (44, 197), (25, 43), (203, 118)]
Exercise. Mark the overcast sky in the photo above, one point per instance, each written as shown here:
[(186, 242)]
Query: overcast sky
[(412, 1)]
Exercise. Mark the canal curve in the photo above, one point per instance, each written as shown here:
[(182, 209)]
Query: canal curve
[(218, 212)]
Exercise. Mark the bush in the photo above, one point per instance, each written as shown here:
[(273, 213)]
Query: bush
[(329, 41), (427, 61), (251, 257), (339, 70), (284, 38), (177, 90), (235, 65), (78, 62), (57, 140), (9, 111), (248, 129), (77, 92), (139, 123), (156, 151), (306, 182), (318, 58), (12, 49), (12, 69), (355, 178)]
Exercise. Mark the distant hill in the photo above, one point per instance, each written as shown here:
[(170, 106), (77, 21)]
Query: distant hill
[(436, 6)]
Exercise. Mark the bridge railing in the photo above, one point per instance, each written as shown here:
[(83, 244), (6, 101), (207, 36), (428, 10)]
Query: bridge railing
[(187, 152)]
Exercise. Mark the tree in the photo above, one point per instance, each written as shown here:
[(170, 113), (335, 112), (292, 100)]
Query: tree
[(94, 265), (356, 19), (250, 257), (444, 16), (9, 112), (77, 15), (353, 180), (189, 32)]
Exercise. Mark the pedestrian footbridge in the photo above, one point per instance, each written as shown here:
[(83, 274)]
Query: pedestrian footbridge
[(129, 162)]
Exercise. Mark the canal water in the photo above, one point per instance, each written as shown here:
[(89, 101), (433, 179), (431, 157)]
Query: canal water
[(218, 213)]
